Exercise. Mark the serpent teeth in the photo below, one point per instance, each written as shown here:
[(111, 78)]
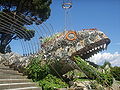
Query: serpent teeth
[(98, 47), (90, 50), (95, 48), (104, 46)]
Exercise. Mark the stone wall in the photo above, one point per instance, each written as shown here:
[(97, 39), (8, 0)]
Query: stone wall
[(14, 60)]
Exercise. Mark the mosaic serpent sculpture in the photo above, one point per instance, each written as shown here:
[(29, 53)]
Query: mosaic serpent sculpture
[(67, 51), (63, 47)]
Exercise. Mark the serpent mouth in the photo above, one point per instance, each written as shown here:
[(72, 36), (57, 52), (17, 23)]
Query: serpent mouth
[(92, 49)]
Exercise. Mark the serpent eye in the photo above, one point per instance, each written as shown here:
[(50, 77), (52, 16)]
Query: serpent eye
[(71, 35)]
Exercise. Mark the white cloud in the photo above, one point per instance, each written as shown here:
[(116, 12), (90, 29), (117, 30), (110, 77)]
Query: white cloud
[(100, 58)]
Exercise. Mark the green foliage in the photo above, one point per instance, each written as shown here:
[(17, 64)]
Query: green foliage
[(104, 79), (50, 38), (96, 86), (51, 82), (75, 75), (86, 68), (106, 63), (39, 71), (40, 9), (115, 71), (15, 27), (15, 14), (36, 70)]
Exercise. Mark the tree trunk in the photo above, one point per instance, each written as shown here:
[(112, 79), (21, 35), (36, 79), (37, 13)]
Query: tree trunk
[(5, 39), (2, 49)]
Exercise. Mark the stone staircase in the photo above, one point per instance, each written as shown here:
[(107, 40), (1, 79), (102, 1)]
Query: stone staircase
[(13, 80)]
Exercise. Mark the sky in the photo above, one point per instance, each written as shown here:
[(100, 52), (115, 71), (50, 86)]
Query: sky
[(101, 14)]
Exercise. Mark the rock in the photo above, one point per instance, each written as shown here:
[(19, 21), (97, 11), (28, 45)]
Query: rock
[(15, 61), (79, 84), (71, 83)]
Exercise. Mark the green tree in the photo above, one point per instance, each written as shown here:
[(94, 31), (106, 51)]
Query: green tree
[(115, 71), (106, 63), (15, 14)]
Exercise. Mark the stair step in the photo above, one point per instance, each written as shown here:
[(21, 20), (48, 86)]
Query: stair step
[(12, 77), (16, 85), (26, 88), (2, 81), (10, 72), (13, 80), (7, 68), (4, 68)]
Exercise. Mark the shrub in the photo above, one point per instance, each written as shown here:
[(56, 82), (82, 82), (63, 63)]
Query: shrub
[(51, 82), (104, 79), (36, 70), (115, 71), (40, 72)]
